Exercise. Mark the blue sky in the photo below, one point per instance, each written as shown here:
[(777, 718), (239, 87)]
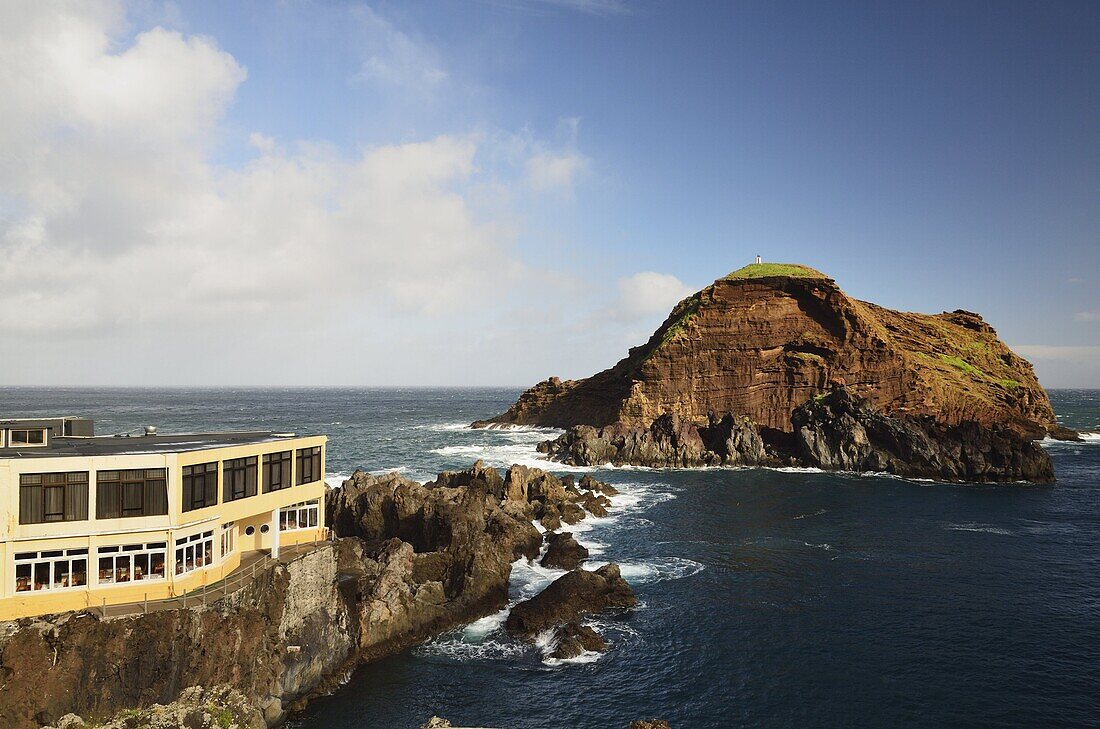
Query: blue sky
[(573, 168)]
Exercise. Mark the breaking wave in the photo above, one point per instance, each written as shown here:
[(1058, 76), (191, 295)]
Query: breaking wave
[(487, 640), (974, 527)]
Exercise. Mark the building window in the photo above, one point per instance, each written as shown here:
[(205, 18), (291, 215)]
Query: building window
[(194, 552), (299, 516), (200, 486), (276, 471), (309, 465), (46, 497), (229, 539), (28, 437), (142, 492), (239, 478), (52, 570), (131, 562)]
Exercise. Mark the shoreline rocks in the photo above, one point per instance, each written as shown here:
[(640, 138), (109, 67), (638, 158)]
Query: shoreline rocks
[(568, 598), (411, 561), (843, 433), (835, 431), (563, 551), (573, 639)]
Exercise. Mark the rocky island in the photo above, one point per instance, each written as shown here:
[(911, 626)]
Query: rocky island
[(775, 365)]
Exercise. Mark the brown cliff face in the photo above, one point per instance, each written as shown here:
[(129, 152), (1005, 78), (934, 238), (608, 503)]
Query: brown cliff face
[(759, 345)]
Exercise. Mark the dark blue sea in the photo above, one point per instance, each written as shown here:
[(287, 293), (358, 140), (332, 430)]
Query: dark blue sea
[(769, 598)]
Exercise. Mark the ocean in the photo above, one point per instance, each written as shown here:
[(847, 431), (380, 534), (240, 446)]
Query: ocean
[(779, 598)]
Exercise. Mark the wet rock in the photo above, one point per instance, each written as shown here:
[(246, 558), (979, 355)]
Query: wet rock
[(841, 431), (571, 513), (563, 552), (649, 724), (548, 515), (436, 723), (590, 484), (595, 505), (569, 597), (668, 442), (573, 639)]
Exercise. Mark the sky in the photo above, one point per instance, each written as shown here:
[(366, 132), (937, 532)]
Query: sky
[(492, 192)]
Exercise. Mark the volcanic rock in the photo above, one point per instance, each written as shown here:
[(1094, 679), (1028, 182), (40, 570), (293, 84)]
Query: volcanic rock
[(573, 639), (590, 484), (563, 551), (595, 505), (409, 561), (569, 597), (719, 381), (842, 432)]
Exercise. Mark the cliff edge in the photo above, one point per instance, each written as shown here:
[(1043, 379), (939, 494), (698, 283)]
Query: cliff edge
[(765, 340)]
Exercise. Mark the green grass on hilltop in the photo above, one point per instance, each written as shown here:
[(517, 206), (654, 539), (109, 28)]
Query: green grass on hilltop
[(763, 270)]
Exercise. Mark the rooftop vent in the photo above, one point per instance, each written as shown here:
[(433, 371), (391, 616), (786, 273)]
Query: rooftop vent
[(150, 430)]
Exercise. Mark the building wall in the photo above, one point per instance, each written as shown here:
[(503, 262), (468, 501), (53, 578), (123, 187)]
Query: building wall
[(259, 512)]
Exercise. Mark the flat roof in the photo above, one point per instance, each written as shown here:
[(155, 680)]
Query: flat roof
[(122, 445)]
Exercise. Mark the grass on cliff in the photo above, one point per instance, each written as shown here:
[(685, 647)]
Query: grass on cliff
[(961, 364), (764, 270), (682, 316)]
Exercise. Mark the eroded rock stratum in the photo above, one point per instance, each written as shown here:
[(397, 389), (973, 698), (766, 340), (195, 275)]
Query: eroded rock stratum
[(721, 378)]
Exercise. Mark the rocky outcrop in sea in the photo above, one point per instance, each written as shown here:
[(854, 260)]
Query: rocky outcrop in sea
[(775, 365)]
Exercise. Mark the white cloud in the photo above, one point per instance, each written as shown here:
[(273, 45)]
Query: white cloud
[(647, 294), (119, 217), (593, 7), (1087, 316), (1059, 353), (393, 58), (546, 171), (262, 142)]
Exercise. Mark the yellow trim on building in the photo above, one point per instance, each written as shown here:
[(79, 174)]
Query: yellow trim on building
[(62, 541)]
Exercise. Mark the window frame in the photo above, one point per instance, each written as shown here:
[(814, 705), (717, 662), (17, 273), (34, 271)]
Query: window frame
[(312, 456), (246, 468), (119, 553), (228, 539), (26, 442), (285, 461), (193, 544), (56, 490), (188, 476), (298, 511), (150, 480), (52, 557)]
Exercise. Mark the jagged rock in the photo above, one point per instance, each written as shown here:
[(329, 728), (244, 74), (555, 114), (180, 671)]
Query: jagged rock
[(436, 723), (842, 432), (548, 515), (595, 505), (649, 724), (668, 442), (563, 551), (590, 484), (219, 707), (568, 597), (573, 639), (571, 513), (412, 561), (718, 382)]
